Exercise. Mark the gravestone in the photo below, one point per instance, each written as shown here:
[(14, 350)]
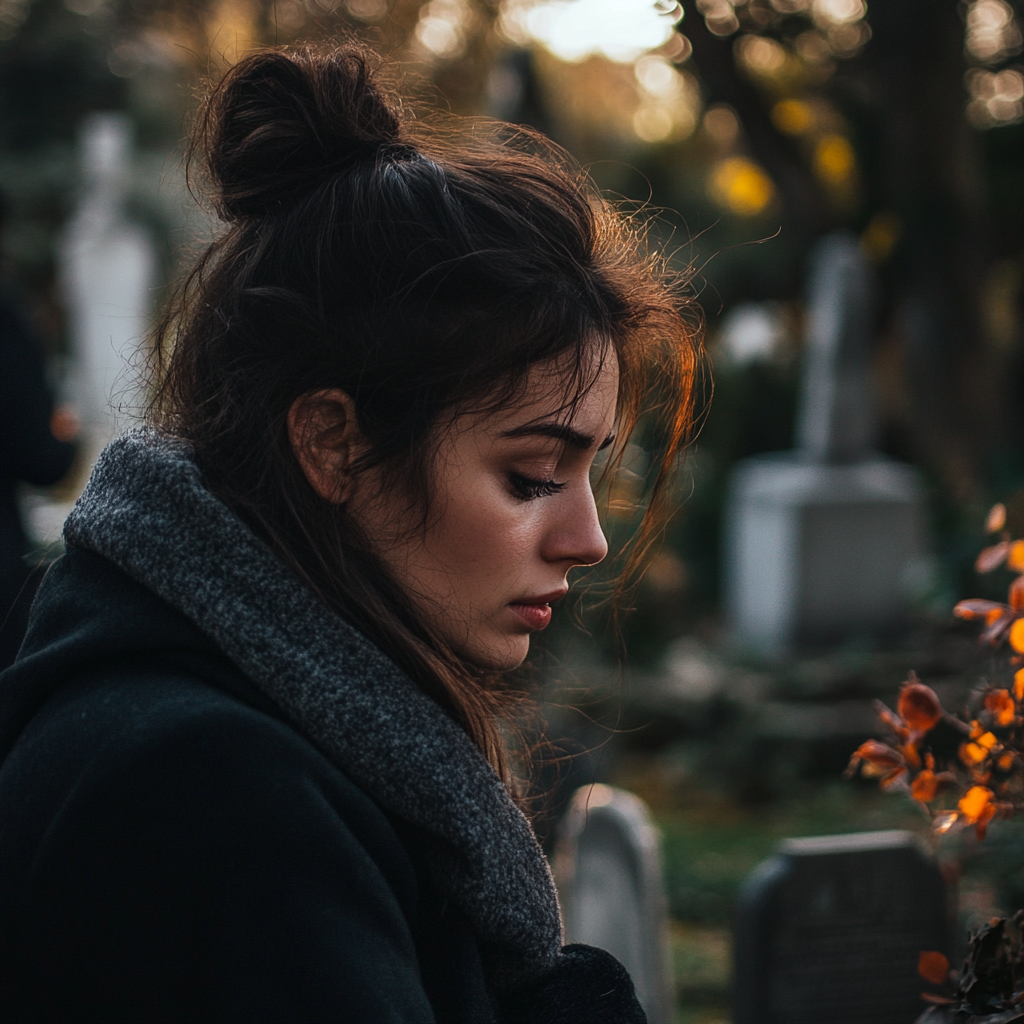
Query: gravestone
[(823, 542), (608, 871), (830, 930), (108, 271)]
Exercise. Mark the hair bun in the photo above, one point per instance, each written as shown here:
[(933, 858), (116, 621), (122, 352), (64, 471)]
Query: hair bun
[(280, 123)]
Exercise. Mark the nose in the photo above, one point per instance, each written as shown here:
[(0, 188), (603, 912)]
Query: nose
[(575, 536)]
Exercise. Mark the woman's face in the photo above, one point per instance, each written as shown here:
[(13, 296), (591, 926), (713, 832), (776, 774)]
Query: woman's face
[(512, 513)]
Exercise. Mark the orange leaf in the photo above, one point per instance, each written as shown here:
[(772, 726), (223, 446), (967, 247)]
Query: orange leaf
[(1016, 596), (875, 752), (993, 557), (996, 518), (1000, 704), (918, 706), (1017, 636), (976, 803), (894, 778), (1005, 762), (933, 967), (997, 627), (925, 787), (981, 825), (1015, 558), (1018, 684), (977, 608)]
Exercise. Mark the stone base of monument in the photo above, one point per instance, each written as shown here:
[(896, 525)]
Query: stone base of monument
[(830, 929), (818, 553)]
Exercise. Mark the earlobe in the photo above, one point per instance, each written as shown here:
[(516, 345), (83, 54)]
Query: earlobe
[(324, 436)]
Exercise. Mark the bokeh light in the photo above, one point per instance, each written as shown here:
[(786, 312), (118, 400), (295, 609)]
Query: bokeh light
[(741, 186), (621, 30), (992, 31), (997, 97), (794, 117), (443, 26), (833, 159)]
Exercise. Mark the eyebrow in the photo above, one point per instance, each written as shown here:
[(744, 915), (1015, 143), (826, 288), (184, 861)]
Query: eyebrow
[(560, 432)]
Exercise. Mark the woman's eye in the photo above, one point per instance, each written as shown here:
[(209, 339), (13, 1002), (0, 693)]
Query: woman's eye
[(526, 488)]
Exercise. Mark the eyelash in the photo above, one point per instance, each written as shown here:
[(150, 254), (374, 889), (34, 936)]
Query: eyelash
[(527, 488)]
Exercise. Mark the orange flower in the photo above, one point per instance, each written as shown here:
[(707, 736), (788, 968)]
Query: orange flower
[(1018, 684), (933, 967), (1000, 704), (979, 748), (1017, 636), (1015, 558), (977, 808), (918, 706)]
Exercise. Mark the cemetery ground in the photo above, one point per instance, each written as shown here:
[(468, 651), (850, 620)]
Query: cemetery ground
[(733, 756)]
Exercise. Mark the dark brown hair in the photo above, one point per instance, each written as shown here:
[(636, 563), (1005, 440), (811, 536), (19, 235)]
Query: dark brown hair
[(421, 270)]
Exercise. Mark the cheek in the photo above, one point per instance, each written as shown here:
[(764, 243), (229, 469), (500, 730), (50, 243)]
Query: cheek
[(485, 535)]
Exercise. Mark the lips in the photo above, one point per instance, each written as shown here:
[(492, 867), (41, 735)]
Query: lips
[(536, 612)]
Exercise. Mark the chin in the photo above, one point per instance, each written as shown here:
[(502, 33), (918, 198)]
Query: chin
[(503, 655)]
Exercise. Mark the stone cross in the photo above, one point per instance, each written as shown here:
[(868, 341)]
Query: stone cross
[(830, 930), (608, 870), (108, 269), (837, 421)]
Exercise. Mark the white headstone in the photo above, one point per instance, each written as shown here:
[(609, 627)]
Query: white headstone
[(608, 869), (108, 270), (822, 542)]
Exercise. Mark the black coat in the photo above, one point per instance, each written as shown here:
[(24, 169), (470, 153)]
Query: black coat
[(29, 453), (172, 847)]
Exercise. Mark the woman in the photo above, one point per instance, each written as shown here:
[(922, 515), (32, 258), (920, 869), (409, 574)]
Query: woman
[(254, 758)]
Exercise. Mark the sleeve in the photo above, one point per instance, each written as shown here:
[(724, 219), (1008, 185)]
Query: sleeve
[(213, 875), (28, 451)]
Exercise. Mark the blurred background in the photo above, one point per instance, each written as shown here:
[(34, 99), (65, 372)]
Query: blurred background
[(848, 186)]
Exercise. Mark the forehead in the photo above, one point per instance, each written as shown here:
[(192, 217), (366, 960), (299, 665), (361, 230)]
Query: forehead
[(575, 394)]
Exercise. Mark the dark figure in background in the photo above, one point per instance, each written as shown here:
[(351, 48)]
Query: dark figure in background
[(29, 453)]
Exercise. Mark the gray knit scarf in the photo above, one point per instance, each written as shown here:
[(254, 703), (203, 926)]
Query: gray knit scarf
[(145, 508)]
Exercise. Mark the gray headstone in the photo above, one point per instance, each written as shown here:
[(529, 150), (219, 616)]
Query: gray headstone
[(837, 420), (608, 870), (829, 931)]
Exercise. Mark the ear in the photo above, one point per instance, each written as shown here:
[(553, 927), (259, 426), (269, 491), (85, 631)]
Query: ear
[(325, 437)]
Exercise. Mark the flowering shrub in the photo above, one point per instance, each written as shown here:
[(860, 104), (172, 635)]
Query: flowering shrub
[(987, 775), (983, 781)]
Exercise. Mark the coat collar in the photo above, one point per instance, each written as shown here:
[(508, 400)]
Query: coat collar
[(146, 509)]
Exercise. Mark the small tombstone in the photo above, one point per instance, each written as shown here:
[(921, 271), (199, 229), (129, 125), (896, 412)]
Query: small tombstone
[(823, 542), (829, 931), (608, 869)]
